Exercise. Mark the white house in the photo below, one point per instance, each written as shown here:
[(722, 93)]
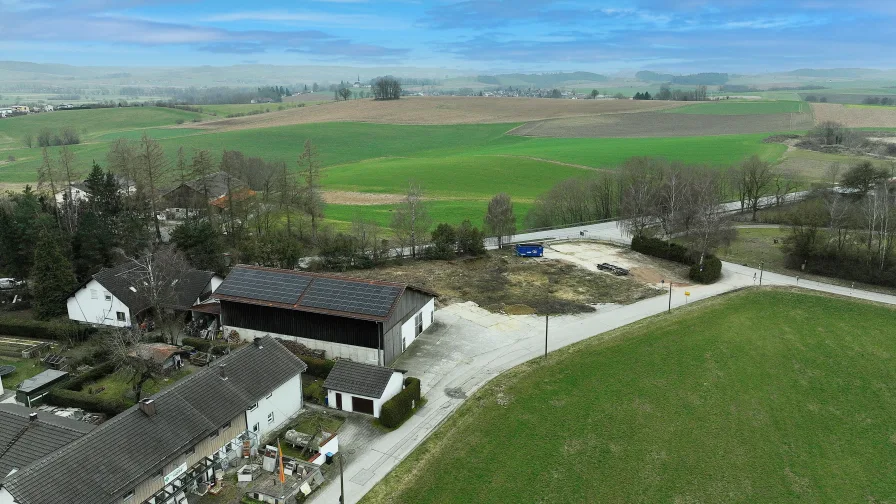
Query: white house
[(273, 411), (362, 388), (78, 194), (113, 296)]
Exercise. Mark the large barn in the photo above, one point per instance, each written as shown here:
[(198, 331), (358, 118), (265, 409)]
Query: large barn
[(361, 320)]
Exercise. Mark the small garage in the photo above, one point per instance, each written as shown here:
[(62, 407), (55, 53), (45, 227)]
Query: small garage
[(361, 388)]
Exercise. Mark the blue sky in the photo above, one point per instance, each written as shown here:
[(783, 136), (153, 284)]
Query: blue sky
[(488, 35)]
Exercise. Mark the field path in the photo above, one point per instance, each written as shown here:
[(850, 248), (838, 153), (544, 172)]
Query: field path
[(469, 346), (552, 161)]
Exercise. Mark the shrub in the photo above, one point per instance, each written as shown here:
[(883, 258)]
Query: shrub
[(318, 367), (179, 121), (77, 383), (314, 391), (709, 273), (202, 345), (52, 330), (11, 158), (71, 399), (402, 406), (662, 249)]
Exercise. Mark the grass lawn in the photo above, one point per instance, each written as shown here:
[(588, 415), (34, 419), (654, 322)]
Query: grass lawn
[(117, 384), (725, 107), (758, 396), (451, 211), (753, 246), (25, 368)]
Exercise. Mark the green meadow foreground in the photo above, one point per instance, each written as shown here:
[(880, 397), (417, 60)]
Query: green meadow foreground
[(759, 396)]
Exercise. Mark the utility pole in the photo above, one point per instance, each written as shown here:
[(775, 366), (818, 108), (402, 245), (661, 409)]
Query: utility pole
[(761, 270), (546, 336), (670, 297), (341, 482)]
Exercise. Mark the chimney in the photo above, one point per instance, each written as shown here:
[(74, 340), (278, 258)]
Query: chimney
[(32, 417), (148, 407), (257, 342), (222, 371)]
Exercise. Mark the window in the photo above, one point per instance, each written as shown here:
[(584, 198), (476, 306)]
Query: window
[(225, 426), (128, 496), (418, 323), (191, 451), (271, 417), (120, 316), (253, 407), (107, 296), (255, 427), (269, 395), (214, 434), (94, 294), (432, 316)]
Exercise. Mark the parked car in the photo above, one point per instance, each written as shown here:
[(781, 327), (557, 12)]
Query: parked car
[(10, 283)]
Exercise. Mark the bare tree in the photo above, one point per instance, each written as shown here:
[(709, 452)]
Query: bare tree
[(28, 140), (155, 277), (785, 182), (288, 195), (499, 219), (410, 221), (639, 182), (48, 178), (68, 173), (202, 167), (670, 199), (755, 178), (122, 161), (152, 166), (832, 173), (130, 355), (710, 227), (312, 200)]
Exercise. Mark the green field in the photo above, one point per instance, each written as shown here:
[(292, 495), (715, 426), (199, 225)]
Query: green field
[(465, 163), (89, 123), (758, 396), (453, 211), (725, 107)]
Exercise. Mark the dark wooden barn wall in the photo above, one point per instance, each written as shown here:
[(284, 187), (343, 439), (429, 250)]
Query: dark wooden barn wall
[(301, 324)]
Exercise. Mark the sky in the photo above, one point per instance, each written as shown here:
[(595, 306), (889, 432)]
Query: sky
[(746, 36)]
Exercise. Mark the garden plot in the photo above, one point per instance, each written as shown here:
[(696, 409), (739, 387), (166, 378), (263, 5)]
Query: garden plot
[(647, 270)]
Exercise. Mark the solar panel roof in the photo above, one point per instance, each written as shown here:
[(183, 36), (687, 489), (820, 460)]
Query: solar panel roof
[(313, 292), (264, 285), (352, 297)]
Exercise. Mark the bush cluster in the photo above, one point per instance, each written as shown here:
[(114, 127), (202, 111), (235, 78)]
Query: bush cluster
[(70, 394), (318, 367), (402, 406), (58, 331), (710, 271), (200, 344)]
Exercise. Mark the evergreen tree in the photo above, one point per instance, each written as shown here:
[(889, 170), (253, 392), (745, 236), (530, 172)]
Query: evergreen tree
[(53, 277), (200, 243)]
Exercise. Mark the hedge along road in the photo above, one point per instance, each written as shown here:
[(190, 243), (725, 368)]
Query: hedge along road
[(470, 349)]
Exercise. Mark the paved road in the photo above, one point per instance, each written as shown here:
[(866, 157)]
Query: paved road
[(469, 346)]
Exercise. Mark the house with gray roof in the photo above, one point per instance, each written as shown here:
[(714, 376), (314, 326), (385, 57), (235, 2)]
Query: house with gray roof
[(117, 296), (197, 194), (27, 435), (175, 442), (362, 388), (362, 320)]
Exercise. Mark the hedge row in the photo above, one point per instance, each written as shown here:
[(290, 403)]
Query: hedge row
[(59, 331), (203, 345), (402, 406), (709, 272), (77, 384), (318, 367), (92, 403)]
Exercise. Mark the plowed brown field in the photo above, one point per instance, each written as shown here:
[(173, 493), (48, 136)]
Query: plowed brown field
[(437, 110), (855, 117)]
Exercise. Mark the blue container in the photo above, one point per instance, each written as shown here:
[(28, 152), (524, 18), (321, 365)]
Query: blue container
[(530, 250)]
